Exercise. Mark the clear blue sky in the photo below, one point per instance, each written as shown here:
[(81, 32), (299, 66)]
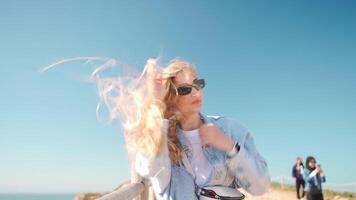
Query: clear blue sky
[(285, 69)]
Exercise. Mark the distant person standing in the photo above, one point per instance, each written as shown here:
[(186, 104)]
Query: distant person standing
[(297, 173), (313, 177)]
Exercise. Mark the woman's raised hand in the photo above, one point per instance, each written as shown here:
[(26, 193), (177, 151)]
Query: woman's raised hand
[(159, 87), (213, 136), (156, 83)]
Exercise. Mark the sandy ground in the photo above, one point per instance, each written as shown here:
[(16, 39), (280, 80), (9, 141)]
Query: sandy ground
[(282, 195), (274, 195)]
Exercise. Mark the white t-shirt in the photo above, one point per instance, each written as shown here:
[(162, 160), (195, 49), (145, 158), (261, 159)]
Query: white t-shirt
[(200, 165)]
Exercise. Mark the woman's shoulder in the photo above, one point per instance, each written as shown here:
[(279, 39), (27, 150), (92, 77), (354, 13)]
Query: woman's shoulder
[(227, 124), (216, 118), (307, 171)]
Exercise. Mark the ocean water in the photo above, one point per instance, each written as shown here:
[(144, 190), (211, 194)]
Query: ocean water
[(37, 196)]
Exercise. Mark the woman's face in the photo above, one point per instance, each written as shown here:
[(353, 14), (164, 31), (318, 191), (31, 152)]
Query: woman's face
[(190, 103), (299, 161), (312, 163)]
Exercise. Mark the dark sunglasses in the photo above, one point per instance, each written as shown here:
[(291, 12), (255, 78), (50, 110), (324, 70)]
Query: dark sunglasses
[(187, 88)]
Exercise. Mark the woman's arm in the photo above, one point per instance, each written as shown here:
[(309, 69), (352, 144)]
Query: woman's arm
[(309, 175), (157, 169), (249, 167), (294, 174), (322, 175)]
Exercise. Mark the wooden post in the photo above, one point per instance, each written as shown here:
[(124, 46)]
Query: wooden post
[(135, 178), (282, 182)]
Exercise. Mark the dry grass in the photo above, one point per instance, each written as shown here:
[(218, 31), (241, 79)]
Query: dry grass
[(328, 194), (275, 193)]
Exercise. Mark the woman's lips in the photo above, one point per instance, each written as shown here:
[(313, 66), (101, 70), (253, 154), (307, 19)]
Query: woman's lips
[(198, 101)]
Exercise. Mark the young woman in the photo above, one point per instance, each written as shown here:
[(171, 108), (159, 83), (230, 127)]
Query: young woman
[(313, 176), (178, 148), (297, 173)]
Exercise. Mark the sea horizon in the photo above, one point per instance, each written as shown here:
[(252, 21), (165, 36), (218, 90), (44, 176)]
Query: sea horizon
[(37, 196)]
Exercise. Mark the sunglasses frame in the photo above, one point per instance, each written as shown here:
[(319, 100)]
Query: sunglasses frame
[(185, 89)]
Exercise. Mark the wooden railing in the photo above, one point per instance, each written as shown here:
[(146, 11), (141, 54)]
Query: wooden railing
[(138, 189)]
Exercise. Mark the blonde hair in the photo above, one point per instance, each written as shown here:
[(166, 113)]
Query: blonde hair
[(141, 113), (174, 67), (131, 98)]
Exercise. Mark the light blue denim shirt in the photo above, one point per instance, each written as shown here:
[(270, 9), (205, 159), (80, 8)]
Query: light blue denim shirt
[(247, 169), (313, 181)]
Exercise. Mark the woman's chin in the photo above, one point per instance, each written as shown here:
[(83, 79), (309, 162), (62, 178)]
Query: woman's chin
[(193, 110), (196, 108)]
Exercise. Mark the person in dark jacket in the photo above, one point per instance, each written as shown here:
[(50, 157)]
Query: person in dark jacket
[(297, 173), (313, 177)]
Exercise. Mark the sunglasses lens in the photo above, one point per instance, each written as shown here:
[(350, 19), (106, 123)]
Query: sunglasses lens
[(197, 84), (200, 83), (184, 90)]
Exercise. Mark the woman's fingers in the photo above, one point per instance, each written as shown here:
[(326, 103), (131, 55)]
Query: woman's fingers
[(154, 80), (211, 135), (159, 78), (206, 132), (159, 90)]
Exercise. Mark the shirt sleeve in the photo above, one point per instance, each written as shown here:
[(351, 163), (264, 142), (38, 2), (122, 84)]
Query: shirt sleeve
[(157, 169), (293, 172), (248, 166), (309, 175)]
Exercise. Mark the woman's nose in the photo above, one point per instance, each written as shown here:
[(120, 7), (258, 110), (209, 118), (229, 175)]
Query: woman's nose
[(196, 91)]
